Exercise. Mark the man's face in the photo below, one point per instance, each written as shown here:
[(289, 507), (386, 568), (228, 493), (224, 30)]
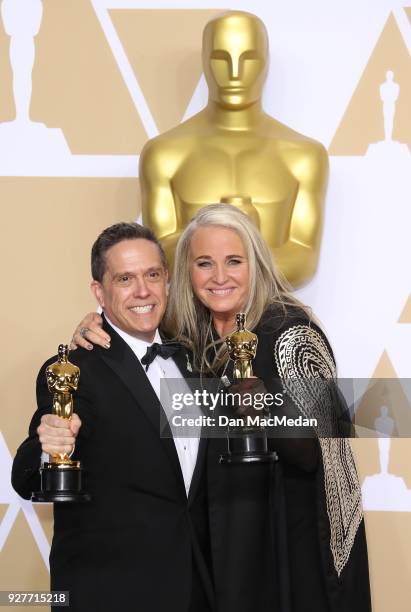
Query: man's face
[(133, 292), (235, 60)]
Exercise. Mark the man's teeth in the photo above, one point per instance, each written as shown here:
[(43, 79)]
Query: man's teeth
[(221, 291), (142, 309)]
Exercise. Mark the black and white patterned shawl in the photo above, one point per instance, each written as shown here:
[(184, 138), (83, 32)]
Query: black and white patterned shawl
[(302, 357)]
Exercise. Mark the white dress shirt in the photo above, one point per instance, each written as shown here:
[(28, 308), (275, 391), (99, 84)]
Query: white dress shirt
[(187, 448)]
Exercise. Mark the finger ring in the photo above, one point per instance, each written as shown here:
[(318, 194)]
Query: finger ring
[(83, 331)]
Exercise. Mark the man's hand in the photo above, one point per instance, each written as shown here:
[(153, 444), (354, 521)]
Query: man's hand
[(58, 435), (90, 331)]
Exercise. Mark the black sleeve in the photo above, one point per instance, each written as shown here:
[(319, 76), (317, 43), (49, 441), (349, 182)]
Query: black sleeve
[(296, 446), (25, 476)]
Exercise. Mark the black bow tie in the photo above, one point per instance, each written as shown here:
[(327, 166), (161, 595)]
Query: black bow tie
[(164, 350)]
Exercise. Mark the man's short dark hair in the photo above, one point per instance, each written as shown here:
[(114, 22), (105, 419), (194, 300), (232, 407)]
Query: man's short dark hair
[(113, 235)]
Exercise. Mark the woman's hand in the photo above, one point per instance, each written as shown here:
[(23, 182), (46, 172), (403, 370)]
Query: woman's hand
[(301, 451), (90, 331), (254, 390)]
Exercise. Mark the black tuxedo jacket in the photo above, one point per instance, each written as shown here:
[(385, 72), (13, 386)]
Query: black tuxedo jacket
[(134, 545)]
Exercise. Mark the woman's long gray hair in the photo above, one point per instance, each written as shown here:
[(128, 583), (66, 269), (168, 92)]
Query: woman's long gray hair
[(187, 319)]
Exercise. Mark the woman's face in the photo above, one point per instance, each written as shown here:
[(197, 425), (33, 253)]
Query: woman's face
[(219, 270)]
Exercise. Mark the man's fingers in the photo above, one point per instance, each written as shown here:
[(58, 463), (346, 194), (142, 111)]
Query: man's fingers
[(54, 432), (47, 438), (55, 440), (57, 450), (58, 435), (52, 420), (75, 424), (54, 426)]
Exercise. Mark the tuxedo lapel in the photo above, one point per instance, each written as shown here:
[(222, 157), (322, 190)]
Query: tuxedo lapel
[(121, 359)]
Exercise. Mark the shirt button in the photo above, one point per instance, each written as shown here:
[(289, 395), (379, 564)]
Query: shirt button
[(185, 447)]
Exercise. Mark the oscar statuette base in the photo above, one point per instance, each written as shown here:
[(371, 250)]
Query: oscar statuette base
[(247, 448), (60, 483)]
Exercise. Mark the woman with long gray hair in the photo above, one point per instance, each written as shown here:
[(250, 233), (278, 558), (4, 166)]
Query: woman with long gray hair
[(222, 267)]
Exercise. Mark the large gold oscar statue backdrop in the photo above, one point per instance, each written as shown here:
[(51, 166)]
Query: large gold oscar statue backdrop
[(233, 148)]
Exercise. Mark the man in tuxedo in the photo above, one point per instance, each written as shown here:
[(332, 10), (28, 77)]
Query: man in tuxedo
[(142, 543)]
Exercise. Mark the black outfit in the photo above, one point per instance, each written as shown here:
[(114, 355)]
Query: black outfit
[(140, 544), (271, 533)]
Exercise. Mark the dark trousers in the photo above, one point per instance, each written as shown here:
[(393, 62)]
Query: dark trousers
[(199, 600)]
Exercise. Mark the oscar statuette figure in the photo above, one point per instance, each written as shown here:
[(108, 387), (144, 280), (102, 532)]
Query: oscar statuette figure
[(61, 477)]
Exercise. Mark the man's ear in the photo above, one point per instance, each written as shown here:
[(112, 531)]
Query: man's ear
[(97, 290)]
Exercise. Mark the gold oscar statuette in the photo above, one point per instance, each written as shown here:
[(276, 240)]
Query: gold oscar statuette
[(61, 477), (246, 444), (242, 347)]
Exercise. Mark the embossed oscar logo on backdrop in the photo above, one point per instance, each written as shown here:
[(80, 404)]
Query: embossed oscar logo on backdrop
[(21, 137), (376, 121), (385, 491)]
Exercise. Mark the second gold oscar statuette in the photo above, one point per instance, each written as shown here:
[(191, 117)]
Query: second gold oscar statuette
[(245, 444)]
